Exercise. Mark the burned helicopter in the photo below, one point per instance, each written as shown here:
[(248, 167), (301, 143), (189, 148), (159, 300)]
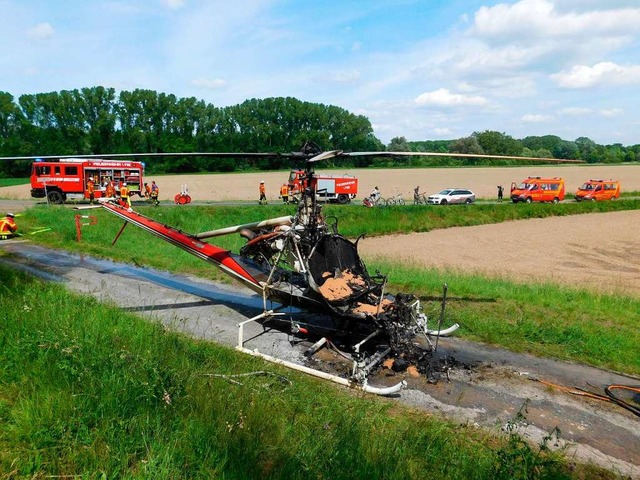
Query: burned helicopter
[(303, 261)]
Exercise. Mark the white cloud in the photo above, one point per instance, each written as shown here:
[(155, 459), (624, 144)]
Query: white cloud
[(540, 18), (613, 112), (538, 35), (209, 84), (173, 4), (575, 111), (41, 31), (535, 118), (443, 132), (444, 98), (603, 73)]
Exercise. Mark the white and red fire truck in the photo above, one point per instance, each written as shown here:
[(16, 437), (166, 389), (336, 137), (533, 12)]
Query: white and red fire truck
[(66, 179), (330, 188)]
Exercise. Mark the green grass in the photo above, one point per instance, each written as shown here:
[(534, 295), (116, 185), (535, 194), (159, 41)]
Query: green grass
[(10, 182), (629, 194), (95, 392)]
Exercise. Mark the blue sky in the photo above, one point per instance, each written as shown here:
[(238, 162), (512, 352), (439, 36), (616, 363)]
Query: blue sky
[(424, 70)]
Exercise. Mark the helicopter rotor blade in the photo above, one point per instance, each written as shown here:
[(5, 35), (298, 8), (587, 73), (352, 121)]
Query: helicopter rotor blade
[(293, 155), (325, 156), (457, 155), (156, 154)]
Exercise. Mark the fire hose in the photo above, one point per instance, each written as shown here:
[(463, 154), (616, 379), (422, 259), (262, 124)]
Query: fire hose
[(610, 397)]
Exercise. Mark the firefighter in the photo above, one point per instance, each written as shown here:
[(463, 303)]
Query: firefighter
[(154, 192), (124, 194), (147, 192), (110, 189), (263, 194), (91, 189), (8, 227), (284, 193)]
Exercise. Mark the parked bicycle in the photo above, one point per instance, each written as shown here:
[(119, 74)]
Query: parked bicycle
[(419, 198), (395, 200)]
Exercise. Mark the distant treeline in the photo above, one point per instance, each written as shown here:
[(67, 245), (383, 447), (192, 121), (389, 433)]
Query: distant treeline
[(97, 120)]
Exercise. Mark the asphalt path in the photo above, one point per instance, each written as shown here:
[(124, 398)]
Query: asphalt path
[(481, 385)]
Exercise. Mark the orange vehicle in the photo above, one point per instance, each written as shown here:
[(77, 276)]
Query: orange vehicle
[(598, 190), (538, 189)]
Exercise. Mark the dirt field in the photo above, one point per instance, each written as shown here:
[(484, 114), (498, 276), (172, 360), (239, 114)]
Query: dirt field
[(598, 251)]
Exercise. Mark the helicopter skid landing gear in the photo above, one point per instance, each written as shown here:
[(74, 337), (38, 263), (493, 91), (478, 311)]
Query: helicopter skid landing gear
[(359, 383)]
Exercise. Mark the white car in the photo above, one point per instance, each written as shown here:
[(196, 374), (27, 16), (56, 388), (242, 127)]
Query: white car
[(452, 195)]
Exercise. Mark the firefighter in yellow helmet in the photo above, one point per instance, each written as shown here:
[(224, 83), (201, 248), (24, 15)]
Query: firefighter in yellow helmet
[(8, 227), (263, 194), (125, 195)]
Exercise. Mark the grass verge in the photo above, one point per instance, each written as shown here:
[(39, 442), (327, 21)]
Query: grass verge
[(10, 182), (89, 390)]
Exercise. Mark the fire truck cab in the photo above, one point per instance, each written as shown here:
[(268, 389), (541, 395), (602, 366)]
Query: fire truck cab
[(67, 179), (328, 188), (598, 190), (538, 189)]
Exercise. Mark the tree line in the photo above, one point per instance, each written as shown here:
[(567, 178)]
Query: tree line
[(98, 120), (497, 143)]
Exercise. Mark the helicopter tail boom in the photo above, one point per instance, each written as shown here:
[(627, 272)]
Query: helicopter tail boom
[(220, 257)]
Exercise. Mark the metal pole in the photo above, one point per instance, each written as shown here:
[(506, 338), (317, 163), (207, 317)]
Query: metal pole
[(444, 304)]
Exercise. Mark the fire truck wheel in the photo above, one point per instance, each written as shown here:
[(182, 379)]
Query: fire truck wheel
[(55, 197), (342, 199)]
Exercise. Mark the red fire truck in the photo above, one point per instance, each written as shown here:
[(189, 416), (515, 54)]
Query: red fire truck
[(66, 179), (330, 188)]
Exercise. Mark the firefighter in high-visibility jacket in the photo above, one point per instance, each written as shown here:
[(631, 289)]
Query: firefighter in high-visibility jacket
[(284, 193), (125, 195), (263, 194), (8, 227), (91, 189), (110, 190)]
